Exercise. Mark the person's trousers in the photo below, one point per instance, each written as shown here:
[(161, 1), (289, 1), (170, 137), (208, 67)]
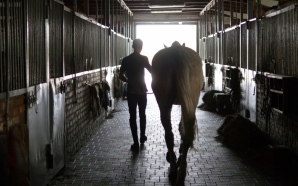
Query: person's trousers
[(133, 101)]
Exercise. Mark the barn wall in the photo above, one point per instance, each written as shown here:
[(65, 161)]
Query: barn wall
[(258, 47), (282, 128), (278, 55), (49, 44), (79, 121)]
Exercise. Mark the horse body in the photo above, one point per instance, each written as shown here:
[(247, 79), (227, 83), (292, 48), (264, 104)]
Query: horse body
[(177, 78)]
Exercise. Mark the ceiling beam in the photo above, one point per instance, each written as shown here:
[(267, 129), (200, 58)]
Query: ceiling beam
[(181, 17)]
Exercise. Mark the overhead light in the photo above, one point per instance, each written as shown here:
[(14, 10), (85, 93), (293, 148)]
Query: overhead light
[(167, 6), (166, 11)]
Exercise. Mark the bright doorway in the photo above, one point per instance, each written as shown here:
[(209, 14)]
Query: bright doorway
[(154, 38)]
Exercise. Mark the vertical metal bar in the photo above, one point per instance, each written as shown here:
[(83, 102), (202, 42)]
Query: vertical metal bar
[(112, 38), (250, 9), (198, 37), (130, 25), (116, 30), (12, 44), (219, 17), (112, 15), (74, 51), (249, 14), (205, 35), (20, 40), (122, 20), (73, 36), (222, 30), (231, 14), (130, 31), (133, 35), (127, 22), (21, 46), (63, 42), (100, 37), (75, 5), (240, 32), (6, 54), (237, 38), (26, 36), (125, 25), (116, 24), (236, 10), (87, 2), (96, 9), (241, 11), (46, 45), (294, 46), (218, 29), (107, 13), (1, 54), (215, 16), (257, 35)]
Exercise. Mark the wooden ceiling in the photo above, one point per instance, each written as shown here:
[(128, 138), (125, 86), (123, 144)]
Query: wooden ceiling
[(186, 10), (145, 6), (168, 10)]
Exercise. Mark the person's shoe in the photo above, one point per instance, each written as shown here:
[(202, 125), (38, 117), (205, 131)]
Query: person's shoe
[(143, 139), (135, 147)]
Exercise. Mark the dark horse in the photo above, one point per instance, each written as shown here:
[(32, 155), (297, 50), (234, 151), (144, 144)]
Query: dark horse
[(177, 78)]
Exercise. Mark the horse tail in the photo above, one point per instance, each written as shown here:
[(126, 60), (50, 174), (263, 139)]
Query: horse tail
[(188, 101)]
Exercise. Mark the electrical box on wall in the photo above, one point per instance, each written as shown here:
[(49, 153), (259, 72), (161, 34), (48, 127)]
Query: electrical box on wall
[(283, 93), (208, 69), (230, 77)]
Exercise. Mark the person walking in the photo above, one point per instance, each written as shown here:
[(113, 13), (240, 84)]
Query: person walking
[(132, 71)]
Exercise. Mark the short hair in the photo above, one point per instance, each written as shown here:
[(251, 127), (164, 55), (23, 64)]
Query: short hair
[(137, 43)]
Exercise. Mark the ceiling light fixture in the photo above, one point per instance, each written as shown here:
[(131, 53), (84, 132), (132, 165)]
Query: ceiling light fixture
[(167, 6), (166, 11)]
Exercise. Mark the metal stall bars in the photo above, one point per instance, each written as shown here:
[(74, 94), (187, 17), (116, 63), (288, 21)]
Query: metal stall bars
[(56, 40), (14, 43), (12, 54), (68, 42), (36, 17)]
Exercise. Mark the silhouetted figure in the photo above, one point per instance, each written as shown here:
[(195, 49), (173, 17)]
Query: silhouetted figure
[(133, 66)]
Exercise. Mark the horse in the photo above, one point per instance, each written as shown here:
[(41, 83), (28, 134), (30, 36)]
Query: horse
[(177, 79)]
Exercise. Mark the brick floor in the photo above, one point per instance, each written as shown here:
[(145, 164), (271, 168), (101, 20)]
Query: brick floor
[(106, 158)]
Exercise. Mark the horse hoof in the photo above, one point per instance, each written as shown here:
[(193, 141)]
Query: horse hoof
[(169, 158), (179, 183)]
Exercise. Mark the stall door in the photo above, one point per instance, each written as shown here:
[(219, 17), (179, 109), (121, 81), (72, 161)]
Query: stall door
[(39, 136), (57, 105)]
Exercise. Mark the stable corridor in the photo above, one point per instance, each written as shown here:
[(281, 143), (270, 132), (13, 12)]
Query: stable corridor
[(106, 158)]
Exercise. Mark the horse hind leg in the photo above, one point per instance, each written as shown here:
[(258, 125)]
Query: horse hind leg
[(184, 147), (182, 165), (169, 137), (181, 142)]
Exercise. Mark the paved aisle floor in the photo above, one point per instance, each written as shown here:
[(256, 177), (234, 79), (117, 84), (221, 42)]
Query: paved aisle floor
[(106, 158)]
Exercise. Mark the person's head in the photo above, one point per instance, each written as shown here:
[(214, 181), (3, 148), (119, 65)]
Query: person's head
[(137, 45)]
